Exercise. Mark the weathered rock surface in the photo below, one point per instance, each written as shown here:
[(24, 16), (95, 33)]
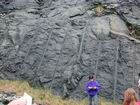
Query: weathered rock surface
[(57, 44)]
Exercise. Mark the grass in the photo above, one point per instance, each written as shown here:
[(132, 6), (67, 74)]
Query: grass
[(42, 96), (99, 9)]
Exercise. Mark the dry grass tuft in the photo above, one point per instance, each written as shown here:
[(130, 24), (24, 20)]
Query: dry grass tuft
[(99, 9)]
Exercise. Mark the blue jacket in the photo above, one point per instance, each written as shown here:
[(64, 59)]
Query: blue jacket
[(91, 84)]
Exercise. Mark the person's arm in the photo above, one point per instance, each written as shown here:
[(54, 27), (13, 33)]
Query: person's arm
[(87, 87), (98, 87)]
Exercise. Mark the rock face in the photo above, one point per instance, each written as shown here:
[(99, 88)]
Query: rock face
[(57, 44)]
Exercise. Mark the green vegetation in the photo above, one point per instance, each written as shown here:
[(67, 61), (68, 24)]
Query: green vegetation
[(42, 96), (99, 9)]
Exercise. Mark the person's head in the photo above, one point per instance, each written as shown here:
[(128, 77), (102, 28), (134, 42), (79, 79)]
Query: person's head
[(130, 97), (91, 78)]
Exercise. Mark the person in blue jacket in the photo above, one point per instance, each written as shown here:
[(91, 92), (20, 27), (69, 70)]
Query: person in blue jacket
[(92, 88)]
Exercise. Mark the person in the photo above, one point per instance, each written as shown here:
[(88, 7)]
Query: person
[(92, 88), (25, 100), (139, 88), (130, 97)]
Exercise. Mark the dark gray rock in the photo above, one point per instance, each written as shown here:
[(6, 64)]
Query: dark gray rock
[(56, 44)]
